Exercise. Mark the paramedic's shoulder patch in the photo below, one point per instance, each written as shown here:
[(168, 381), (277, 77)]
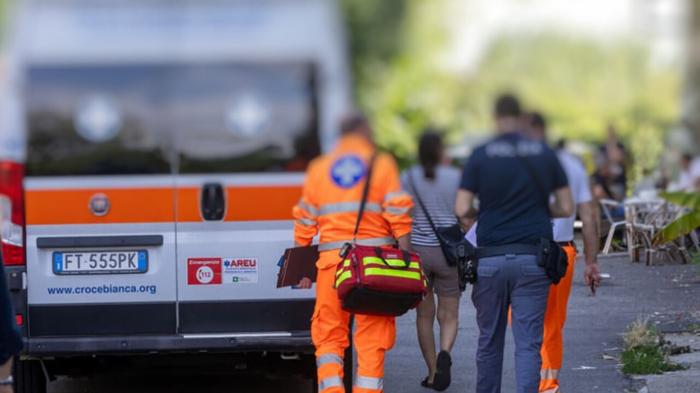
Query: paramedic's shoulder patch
[(347, 170)]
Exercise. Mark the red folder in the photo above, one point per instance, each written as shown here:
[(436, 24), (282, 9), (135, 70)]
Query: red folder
[(299, 262)]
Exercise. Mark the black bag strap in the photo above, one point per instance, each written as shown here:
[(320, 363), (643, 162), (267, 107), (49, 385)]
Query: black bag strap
[(365, 193), (422, 205), (533, 176)]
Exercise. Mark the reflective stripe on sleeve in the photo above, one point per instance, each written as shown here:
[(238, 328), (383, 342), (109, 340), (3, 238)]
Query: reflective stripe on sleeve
[(327, 359), (397, 211), (330, 382), (395, 194), (375, 241), (369, 383), (348, 207), (306, 222), (310, 209)]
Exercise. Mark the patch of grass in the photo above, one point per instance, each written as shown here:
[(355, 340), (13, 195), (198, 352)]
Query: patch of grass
[(646, 360), (695, 258), (644, 351)]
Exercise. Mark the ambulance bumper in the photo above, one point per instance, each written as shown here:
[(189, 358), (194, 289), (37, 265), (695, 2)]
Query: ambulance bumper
[(297, 342)]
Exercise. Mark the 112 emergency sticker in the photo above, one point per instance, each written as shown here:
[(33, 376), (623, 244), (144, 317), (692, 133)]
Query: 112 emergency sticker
[(240, 270), (203, 271)]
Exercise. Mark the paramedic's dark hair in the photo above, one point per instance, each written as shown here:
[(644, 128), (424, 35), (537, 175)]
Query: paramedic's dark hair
[(353, 122), (507, 105), (537, 120), (430, 150)]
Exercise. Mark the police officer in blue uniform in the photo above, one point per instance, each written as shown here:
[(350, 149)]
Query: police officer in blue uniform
[(513, 177)]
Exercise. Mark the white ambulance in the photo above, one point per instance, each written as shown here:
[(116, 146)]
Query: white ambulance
[(150, 156)]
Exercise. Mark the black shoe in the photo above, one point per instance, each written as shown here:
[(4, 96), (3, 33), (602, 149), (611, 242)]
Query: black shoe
[(426, 384), (443, 377)]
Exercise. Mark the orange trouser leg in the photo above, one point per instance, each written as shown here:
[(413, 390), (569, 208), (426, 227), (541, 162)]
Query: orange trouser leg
[(554, 320), (373, 337), (329, 332)]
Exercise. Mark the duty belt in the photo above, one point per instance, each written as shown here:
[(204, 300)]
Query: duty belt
[(374, 241), (509, 249), (569, 243)]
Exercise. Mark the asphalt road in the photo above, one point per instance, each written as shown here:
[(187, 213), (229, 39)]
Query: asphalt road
[(593, 330)]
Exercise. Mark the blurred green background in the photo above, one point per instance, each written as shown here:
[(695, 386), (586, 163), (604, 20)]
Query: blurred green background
[(581, 84)]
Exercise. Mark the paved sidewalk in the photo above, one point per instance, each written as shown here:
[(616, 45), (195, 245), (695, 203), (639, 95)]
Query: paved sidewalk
[(593, 330)]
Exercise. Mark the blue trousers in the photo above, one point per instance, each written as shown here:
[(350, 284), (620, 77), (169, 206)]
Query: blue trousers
[(10, 340), (518, 283)]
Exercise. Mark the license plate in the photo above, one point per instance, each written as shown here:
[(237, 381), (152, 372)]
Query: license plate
[(100, 262)]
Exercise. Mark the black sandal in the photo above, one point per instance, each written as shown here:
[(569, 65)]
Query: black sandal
[(426, 384), (443, 376)]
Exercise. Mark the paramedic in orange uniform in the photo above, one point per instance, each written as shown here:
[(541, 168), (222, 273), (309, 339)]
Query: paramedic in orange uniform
[(328, 207), (555, 316)]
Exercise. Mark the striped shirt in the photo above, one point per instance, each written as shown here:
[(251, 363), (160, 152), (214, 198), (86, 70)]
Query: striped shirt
[(438, 195)]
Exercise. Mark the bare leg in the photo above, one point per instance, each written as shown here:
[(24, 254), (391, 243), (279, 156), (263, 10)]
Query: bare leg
[(448, 318), (6, 371), (425, 318)]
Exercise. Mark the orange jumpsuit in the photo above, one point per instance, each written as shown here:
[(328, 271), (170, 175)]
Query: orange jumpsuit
[(554, 319), (328, 207)]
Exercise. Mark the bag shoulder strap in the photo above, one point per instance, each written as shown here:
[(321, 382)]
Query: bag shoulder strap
[(533, 176), (420, 202), (365, 193)]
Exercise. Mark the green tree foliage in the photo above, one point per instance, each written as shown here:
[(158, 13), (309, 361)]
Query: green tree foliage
[(581, 84)]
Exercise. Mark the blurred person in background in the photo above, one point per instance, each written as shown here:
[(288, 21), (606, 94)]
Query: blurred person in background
[(436, 184), (610, 178), (513, 176), (329, 207), (685, 178), (689, 175), (555, 317), (10, 340)]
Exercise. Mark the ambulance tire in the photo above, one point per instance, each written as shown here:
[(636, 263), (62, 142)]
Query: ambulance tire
[(29, 377)]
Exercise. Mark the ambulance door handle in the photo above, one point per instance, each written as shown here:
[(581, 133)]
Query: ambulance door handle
[(212, 202)]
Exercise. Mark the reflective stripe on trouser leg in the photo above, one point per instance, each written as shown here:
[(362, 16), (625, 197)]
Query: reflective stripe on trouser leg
[(555, 317), (330, 327), (368, 384), (330, 384), (330, 373), (374, 335)]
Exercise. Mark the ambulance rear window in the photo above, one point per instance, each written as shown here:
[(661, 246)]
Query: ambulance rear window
[(91, 120), (245, 118), (150, 119)]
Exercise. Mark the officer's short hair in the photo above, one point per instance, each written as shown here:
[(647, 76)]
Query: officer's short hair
[(537, 120), (507, 105), (353, 122)]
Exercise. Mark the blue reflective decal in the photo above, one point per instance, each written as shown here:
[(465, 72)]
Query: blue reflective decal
[(347, 171)]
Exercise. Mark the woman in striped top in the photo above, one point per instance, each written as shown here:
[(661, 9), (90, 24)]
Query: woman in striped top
[(436, 184)]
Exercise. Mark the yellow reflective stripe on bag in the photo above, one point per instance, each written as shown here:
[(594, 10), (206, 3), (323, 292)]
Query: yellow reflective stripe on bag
[(391, 262), (377, 261), (342, 277), (345, 264), (376, 271)]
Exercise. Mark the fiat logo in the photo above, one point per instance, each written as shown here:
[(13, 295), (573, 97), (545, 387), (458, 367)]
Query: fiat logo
[(99, 204)]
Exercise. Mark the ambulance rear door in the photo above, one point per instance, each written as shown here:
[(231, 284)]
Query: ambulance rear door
[(100, 201), (245, 133)]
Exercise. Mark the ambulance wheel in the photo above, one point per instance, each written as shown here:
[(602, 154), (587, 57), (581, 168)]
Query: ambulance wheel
[(29, 377)]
